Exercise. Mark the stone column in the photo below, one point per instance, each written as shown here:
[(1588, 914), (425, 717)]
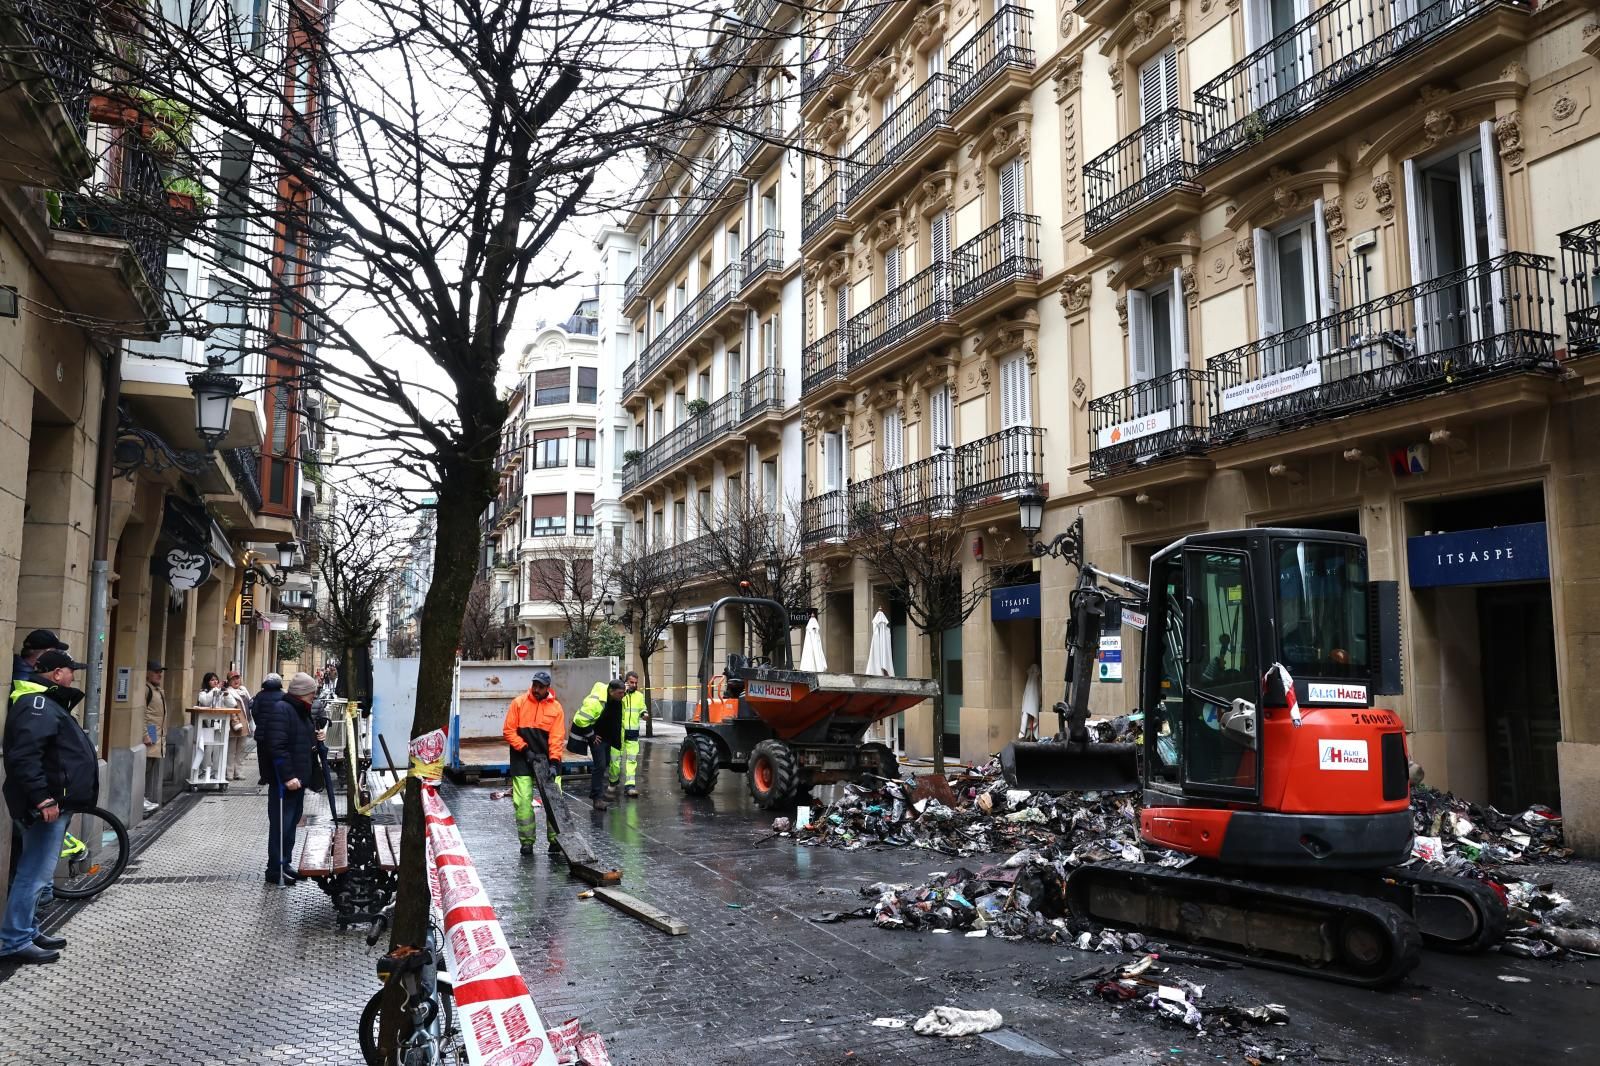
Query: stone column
[(129, 651), (52, 584)]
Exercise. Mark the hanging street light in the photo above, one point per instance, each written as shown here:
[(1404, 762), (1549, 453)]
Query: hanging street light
[(213, 402)]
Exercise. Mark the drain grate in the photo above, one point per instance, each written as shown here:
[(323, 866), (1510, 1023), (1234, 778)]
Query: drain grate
[(197, 879)]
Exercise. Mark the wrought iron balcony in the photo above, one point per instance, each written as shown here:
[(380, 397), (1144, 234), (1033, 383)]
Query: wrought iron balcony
[(245, 466), (721, 289), (717, 420), (1005, 252), (1580, 287), (1149, 421), (927, 110), (711, 179), (1493, 318), (1154, 159), (823, 205), (764, 126), (1337, 47), (1006, 40), (130, 209), (630, 378), (926, 487), (687, 558), (53, 41), (762, 391), (825, 359), (823, 518), (919, 303), (762, 255), (1002, 464)]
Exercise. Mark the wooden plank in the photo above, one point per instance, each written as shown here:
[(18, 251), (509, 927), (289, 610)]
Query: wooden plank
[(387, 839), (590, 873), (340, 859), (312, 850), (638, 908)]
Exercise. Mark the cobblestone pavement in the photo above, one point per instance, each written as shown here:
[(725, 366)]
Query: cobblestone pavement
[(190, 959)]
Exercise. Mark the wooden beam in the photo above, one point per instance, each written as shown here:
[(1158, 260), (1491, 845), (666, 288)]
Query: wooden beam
[(638, 908)]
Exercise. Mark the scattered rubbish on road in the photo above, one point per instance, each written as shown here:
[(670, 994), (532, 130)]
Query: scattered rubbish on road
[(889, 1023), (587, 893), (1514, 979), (573, 1047), (954, 1021)]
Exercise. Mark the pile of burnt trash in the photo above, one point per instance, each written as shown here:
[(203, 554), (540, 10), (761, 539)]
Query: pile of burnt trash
[(971, 814)]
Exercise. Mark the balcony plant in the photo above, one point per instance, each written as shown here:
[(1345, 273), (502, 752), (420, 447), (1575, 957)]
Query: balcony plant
[(186, 196), (632, 455), (1254, 128), (164, 124), (698, 407)]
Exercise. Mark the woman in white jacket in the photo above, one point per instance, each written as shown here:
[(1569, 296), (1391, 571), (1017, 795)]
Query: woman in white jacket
[(232, 696)]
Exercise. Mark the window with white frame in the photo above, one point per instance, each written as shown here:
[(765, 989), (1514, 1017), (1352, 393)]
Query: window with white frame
[(1157, 344), (769, 483), (832, 461), (769, 340), (1292, 289)]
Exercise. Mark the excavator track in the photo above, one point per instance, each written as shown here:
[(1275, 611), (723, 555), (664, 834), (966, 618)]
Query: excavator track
[(1334, 936), (1453, 913)]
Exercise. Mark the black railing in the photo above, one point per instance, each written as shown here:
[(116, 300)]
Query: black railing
[(822, 205), (762, 391), (926, 487), (1154, 159), (717, 293), (763, 254), (823, 518), (1005, 252), (245, 466), (1335, 48), (630, 378), (1006, 40), (763, 126), (899, 133), (712, 178), (920, 302), (825, 359), (687, 558), (1494, 317), (61, 33), (1001, 464), (130, 210), (715, 420), (1580, 287), (1157, 419)]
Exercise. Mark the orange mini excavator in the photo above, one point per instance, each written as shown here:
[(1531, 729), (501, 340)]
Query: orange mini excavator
[(1263, 756)]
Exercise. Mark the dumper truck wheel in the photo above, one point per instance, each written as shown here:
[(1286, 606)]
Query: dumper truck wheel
[(880, 760), (773, 774), (697, 764)]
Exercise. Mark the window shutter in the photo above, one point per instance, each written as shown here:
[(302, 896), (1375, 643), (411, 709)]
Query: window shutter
[(1152, 88), (894, 443), (583, 504), (842, 299), (891, 270), (832, 461), (1016, 406), (1493, 198), (769, 343), (1324, 262), (941, 237), (1141, 361), (551, 505), (1268, 320), (939, 417), (1180, 322), (1011, 199), (1415, 223)]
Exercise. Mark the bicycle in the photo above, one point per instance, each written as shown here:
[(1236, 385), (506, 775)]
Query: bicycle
[(431, 1038), (92, 857)]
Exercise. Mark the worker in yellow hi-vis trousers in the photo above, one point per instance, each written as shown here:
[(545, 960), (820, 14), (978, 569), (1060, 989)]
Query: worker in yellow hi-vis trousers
[(625, 760)]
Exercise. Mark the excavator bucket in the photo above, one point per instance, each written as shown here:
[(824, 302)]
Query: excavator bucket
[(1041, 766)]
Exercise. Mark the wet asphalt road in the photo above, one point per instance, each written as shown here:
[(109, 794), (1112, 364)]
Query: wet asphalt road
[(754, 981)]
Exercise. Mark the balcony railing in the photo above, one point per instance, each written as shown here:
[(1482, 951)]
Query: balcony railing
[(764, 126), (713, 422), (899, 133), (1154, 159), (1007, 251), (245, 466), (1006, 40), (1495, 317), (1580, 287), (762, 391), (825, 360), (129, 210), (61, 43), (710, 186), (822, 205), (687, 558), (630, 378), (718, 292), (920, 302), (763, 254), (1157, 419), (1335, 48), (1001, 464)]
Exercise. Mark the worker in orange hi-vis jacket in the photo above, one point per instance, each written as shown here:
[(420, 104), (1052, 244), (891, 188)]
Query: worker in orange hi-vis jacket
[(536, 729)]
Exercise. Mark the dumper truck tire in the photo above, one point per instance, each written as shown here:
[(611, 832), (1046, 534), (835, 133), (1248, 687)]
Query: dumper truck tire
[(773, 774), (697, 765), (879, 759)]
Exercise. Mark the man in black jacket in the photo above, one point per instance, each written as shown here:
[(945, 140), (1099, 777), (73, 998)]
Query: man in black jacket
[(51, 771), (288, 744)]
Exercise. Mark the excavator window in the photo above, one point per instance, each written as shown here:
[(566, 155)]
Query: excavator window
[(1322, 608), (1164, 719), (1220, 668)]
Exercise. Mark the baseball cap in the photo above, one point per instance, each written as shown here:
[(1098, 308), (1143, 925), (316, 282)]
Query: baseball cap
[(55, 659), (542, 677), (42, 638)]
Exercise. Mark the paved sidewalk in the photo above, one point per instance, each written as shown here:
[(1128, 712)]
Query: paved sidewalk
[(191, 959)]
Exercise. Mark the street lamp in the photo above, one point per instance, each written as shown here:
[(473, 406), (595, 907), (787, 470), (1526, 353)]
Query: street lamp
[(286, 552), (1031, 505), (773, 566), (609, 606), (213, 402)]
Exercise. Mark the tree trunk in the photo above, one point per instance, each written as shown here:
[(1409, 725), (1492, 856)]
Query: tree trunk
[(935, 655), (454, 567), (650, 710)]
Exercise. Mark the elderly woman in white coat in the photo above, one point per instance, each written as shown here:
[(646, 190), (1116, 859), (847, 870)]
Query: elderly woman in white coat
[(232, 696)]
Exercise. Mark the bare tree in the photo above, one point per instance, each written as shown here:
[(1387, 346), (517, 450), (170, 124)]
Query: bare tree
[(485, 633), (564, 576), (909, 528), (354, 549), (650, 592), (753, 547)]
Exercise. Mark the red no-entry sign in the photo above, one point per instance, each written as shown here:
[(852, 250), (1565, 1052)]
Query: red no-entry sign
[(522, 651)]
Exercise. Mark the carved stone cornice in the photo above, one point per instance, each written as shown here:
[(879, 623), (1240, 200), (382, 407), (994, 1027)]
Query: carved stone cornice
[(1075, 292), (1008, 335)]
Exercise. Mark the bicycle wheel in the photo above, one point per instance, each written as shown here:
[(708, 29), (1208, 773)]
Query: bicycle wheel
[(94, 854)]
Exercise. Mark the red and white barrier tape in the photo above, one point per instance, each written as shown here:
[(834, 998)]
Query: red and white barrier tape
[(501, 1025)]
